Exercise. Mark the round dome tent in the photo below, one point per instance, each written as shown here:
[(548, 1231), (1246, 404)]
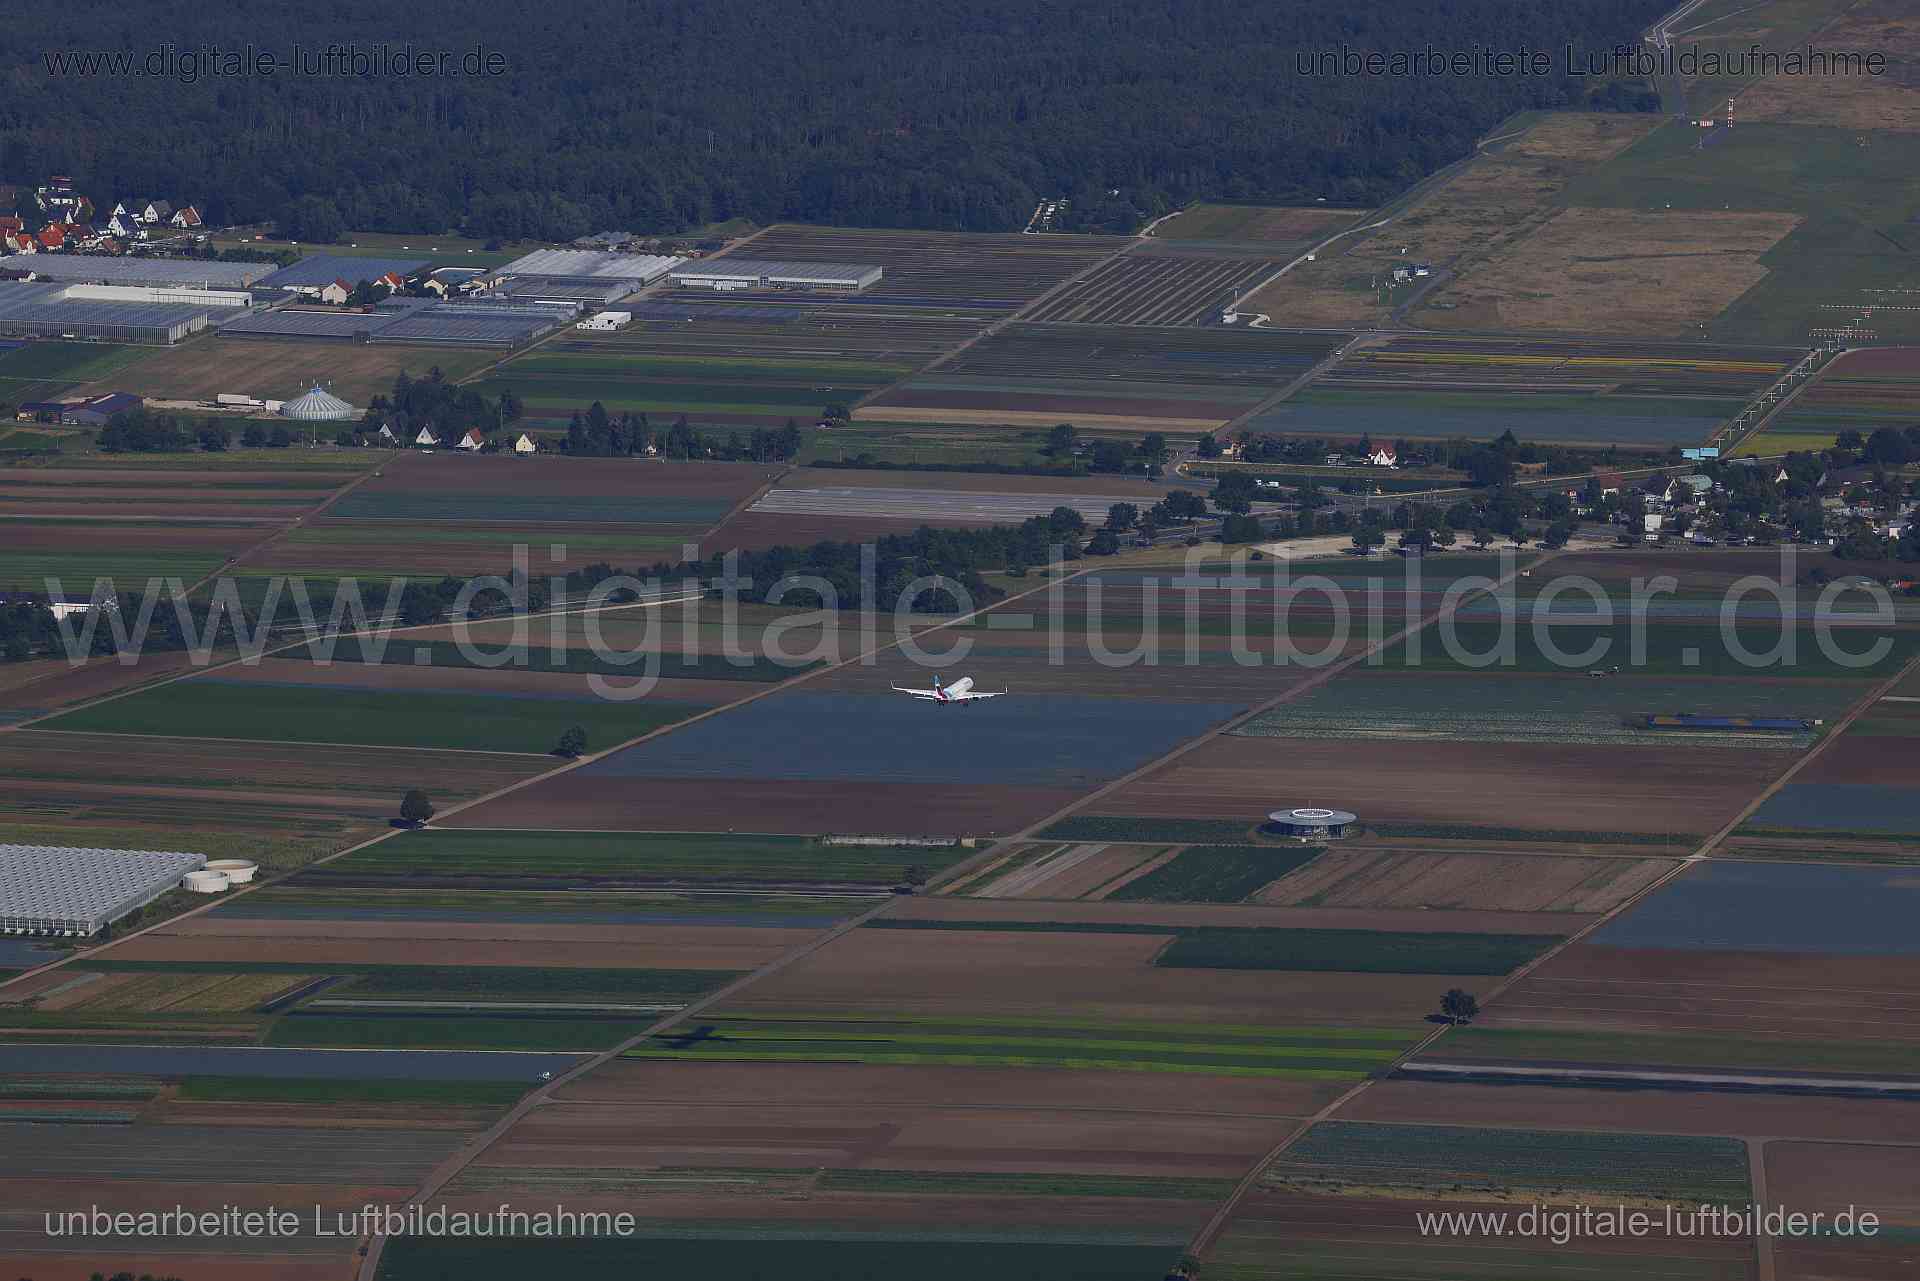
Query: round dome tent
[(319, 406), (1309, 823)]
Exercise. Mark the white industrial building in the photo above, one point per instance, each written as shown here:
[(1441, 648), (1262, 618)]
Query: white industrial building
[(606, 320), (77, 892), (726, 274), (591, 265)]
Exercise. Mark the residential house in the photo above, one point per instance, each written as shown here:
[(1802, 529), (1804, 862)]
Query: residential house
[(20, 242), (392, 280), (53, 236), (61, 203), (124, 225), (427, 438), (186, 217), (386, 434), (472, 441), (335, 292), (1384, 457), (11, 224), (437, 288), (524, 445), (156, 212)]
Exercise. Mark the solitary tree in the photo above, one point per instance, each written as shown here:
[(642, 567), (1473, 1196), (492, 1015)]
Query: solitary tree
[(1459, 1006), (572, 742), (415, 807)]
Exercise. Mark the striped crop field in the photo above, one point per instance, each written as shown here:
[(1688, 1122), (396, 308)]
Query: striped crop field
[(1308, 1053), (1861, 391), (1569, 391), (1444, 1160)]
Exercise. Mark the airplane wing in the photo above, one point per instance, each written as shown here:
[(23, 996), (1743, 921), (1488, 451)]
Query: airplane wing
[(917, 693), (972, 693)]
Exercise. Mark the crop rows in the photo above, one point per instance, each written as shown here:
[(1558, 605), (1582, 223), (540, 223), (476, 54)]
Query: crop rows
[(1153, 289)]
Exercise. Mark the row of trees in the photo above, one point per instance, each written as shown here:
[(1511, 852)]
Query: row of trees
[(598, 434)]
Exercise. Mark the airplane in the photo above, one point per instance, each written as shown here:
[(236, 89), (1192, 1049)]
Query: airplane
[(961, 691)]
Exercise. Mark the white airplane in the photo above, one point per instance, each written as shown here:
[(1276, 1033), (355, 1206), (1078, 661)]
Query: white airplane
[(961, 691)]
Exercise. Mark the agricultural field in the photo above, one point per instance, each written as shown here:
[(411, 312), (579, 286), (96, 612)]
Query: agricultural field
[(121, 519), (1114, 378), (433, 515), (1847, 187), (330, 713), (355, 372), (1154, 289), (1214, 874), (42, 370), (1858, 102), (1558, 390), (570, 859), (1861, 391), (1731, 966), (1439, 880), (1277, 230), (1462, 215), (737, 389), (1642, 272), (279, 804), (977, 274)]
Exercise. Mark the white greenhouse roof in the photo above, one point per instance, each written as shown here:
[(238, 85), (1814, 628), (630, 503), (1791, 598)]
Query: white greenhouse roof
[(594, 263), (840, 273), (49, 889), (138, 271)]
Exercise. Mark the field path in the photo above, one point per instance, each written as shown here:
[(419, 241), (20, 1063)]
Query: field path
[(1209, 1234)]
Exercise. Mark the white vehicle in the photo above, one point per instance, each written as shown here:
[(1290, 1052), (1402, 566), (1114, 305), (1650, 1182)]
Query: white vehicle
[(961, 691)]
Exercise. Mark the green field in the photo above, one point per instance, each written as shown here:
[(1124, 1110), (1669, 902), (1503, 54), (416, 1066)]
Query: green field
[(1101, 827), (41, 370), (130, 568), (414, 1030), (1213, 874), (666, 855), (404, 652), (915, 444), (254, 1089), (1460, 1160), (1312, 1053), (793, 1254), (1670, 648), (208, 708), (505, 509), (302, 901)]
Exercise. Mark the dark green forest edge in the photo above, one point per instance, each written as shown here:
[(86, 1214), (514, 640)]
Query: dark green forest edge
[(672, 114)]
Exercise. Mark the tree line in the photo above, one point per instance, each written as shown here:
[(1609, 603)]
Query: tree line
[(666, 115)]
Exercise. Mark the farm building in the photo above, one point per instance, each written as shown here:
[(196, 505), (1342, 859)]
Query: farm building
[(78, 892), (89, 411), (46, 310), (592, 265), (157, 272), (757, 273), (606, 320), (318, 270), (1309, 823), (319, 406)]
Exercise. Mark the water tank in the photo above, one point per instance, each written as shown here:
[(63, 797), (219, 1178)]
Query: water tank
[(205, 882), (238, 871)]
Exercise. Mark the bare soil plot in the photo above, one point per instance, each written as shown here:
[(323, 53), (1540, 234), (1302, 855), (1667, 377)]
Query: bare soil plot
[(805, 1087), (1833, 1176), (1391, 878), (575, 800), (344, 942), (1514, 786), (560, 479), (1273, 228), (356, 372), (1624, 271), (1256, 916), (1496, 199), (873, 1133), (753, 531), (1131, 487), (1094, 975), (1075, 872), (1646, 1111), (44, 684), (1862, 102)]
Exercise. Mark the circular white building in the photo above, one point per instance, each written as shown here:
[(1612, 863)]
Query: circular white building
[(1309, 823), (318, 406)]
